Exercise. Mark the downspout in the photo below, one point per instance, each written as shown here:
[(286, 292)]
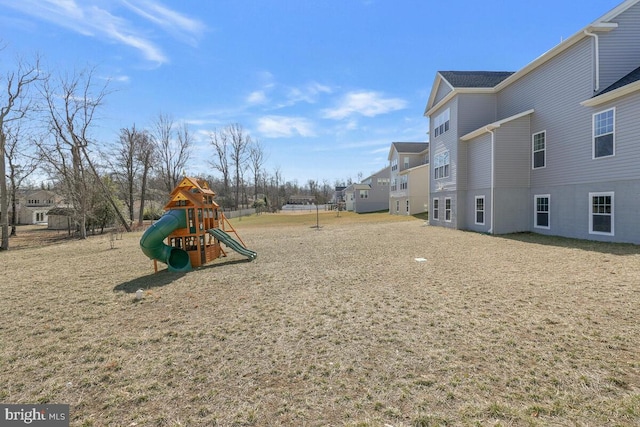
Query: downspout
[(493, 136), (597, 58)]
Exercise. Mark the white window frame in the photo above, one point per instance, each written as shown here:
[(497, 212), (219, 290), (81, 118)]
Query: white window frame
[(436, 209), (612, 133), (397, 206), (536, 212), (406, 162), (611, 214), (364, 194), (441, 123), (407, 205), (476, 211), (447, 211), (442, 165), (404, 182), (534, 151)]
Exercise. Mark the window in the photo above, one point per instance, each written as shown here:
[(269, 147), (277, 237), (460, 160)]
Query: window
[(406, 163), (383, 181), (541, 217), (441, 123), (604, 133), (601, 213), (394, 184), (397, 206), (539, 149), (480, 210), (407, 206), (404, 179), (364, 194), (441, 165), (447, 209), (394, 164), (436, 210)]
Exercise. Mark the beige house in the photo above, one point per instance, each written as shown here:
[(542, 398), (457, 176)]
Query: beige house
[(409, 178), (32, 206)]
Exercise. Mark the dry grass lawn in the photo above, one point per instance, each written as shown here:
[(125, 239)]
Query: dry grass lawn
[(337, 326)]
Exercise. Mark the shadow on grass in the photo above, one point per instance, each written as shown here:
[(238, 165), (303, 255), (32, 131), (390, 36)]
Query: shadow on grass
[(564, 242), (165, 277), (153, 280)]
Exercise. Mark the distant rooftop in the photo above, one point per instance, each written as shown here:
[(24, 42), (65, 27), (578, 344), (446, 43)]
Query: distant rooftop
[(475, 78), (410, 147)]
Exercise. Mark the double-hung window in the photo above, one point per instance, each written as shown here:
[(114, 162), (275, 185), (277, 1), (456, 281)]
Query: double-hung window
[(539, 149), (604, 133), (441, 165), (404, 182), (441, 123), (601, 210), (364, 194), (436, 209), (480, 210), (541, 217), (447, 209)]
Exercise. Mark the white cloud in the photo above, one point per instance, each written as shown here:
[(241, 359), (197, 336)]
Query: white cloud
[(365, 103), (285, 127), (257, 97), (308, 93), (91, 18)]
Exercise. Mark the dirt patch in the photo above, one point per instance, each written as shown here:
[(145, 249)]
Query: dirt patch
[(333, 326)]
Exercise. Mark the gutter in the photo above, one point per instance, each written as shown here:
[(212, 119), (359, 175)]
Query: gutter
[(597, 57), (490, 129)]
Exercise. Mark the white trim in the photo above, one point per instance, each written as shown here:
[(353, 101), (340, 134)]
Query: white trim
[(593, 134), (533, 151), (484, 210), (492, 126), (602, 193), (535, 211)]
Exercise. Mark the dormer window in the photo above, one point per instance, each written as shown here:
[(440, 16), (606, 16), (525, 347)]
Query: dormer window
[(441, 123)]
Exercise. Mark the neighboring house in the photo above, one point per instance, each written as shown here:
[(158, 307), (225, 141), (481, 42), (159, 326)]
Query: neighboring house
[(60, 219), (409, 178), (552, 148), (370, 195), (32, 206)]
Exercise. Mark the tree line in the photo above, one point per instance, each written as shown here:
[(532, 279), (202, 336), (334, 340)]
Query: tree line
[(47, 123)]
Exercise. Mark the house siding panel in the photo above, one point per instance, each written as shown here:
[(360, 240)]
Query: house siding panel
[(443, 90), (554, 91), (479, 166), (619, 49), (512, 158)]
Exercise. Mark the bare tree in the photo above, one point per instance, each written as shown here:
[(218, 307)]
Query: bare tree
[(14, 104), (20, 165), (145, 154), (220, 142), (239, 143), (173, 148), (257, 158), (71, 108), (128, 164)]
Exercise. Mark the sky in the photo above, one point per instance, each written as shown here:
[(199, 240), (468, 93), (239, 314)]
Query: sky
[(325, 86)]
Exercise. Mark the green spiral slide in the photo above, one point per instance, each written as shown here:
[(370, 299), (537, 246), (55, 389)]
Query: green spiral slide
[(231, 243), (153, 246)]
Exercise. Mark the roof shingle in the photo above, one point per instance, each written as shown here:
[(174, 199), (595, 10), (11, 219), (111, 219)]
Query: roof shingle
[(483, 79)]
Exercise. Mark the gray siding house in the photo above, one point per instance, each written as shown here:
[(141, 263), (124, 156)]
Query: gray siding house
[(409, 178), (370, 195), (552, 148)]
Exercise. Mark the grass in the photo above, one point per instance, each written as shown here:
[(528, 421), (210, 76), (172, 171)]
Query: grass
[(338, 326)]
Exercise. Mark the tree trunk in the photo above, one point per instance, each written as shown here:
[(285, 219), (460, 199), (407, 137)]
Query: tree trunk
[(14, 209), (4, 215), (143, 190)]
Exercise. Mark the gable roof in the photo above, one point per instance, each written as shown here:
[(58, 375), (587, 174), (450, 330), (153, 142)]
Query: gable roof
[(602, 24), (479, 79), (408, 148)]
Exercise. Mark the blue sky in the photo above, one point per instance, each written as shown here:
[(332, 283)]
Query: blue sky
[(324, 85)]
